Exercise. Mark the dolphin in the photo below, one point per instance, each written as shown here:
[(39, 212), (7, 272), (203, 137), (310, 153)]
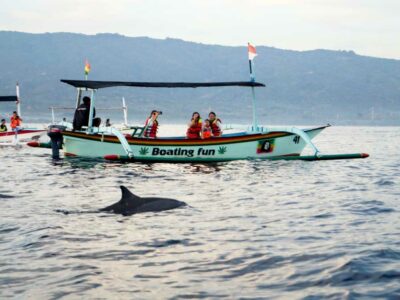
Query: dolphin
[(131, 204)]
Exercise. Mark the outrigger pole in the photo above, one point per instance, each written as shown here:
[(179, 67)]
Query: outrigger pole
[(252, 53)]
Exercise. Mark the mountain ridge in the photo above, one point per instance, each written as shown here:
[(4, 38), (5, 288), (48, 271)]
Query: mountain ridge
[(308, 87)]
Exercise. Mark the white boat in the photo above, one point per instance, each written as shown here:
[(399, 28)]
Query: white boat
[(25, 133), (256, 143)]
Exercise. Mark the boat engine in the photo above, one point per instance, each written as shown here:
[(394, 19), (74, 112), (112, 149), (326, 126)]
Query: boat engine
[(56, 139)]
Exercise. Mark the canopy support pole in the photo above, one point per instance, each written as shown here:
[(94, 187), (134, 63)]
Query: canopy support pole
[(78, 97), (18, 100), (125, 110), (92, 103)]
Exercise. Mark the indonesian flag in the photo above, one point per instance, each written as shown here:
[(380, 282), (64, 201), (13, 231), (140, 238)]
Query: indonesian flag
[(87, 67), (252, 51)]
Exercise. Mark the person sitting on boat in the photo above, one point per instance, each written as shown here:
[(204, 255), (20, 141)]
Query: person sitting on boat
[(195, 125), (15, 122), (108, 123), (151, 124), (3, 126), (215, 124), (81, 116), (206, 131)]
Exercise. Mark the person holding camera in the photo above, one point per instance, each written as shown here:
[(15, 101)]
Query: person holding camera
[(151, 124)]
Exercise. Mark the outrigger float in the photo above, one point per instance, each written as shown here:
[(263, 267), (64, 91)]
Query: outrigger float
[(256, 143), (10, 137)]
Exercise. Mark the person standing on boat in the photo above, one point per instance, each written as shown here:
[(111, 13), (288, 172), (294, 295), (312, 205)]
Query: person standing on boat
[(81, 116), (3, 126), (195, 126), (15, 121), (215, 124), (151, 124)]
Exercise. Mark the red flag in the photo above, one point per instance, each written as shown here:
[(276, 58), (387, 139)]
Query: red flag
[(252, 51)]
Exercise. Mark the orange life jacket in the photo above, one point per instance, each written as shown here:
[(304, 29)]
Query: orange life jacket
[(15, 122), (193, 131), (151, 131), (216, 130), (206, 132)]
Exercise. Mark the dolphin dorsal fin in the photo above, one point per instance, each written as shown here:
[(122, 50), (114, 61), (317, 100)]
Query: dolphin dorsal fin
[(127, 196)]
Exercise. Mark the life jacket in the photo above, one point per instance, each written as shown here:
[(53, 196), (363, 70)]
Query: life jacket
[(206, 132), (193, 131), (3, 128), (216, 130), (15, 122), (151, 131)]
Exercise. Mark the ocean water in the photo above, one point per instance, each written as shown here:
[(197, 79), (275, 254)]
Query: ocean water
[(251, 230)]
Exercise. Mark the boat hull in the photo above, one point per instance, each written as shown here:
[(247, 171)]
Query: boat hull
[(25, 134), (226, 148)]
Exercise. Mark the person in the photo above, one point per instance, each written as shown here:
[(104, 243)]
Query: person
[(206, 131), (81, 116), (194, 130), (215, 124), (108, 123), (3, 126), (15, 122), (151, 124)]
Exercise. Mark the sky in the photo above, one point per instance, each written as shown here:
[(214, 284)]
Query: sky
[(368, 27)]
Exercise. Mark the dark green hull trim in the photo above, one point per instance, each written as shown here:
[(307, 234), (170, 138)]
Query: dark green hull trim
[(323, 157), (292, 157)]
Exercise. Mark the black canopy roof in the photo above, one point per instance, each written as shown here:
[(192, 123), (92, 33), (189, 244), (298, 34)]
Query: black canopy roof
[(8, 98), (90, 84)]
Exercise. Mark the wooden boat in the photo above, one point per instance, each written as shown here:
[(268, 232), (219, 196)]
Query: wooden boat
[(256, 143)]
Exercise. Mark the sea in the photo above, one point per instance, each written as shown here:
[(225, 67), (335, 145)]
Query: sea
[(252, 229)]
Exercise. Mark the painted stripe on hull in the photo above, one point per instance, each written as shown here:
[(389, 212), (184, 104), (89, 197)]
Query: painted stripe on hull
[(178, 142)]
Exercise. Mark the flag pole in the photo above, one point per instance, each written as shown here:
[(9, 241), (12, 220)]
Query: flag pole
[(253, 93)]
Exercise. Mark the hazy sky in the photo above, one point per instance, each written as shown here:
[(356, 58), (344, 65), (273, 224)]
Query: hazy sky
[(369, 27)]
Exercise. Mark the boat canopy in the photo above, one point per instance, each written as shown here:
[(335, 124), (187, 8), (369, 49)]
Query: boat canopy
[(8, 98), (91, 84)]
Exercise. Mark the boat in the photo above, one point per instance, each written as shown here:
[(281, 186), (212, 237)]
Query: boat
[(257, 142), (10, 137)]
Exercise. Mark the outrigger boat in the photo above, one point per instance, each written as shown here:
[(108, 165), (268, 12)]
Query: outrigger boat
[(10, 137), (255, 143)]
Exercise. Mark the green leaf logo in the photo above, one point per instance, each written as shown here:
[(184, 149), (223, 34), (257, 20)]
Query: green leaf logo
[(144, 151), (222, 150)]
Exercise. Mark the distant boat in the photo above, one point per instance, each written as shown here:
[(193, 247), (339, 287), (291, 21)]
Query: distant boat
[(25, 133)]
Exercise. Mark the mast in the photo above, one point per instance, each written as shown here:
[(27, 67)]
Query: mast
[(18, 100), (252, 53)]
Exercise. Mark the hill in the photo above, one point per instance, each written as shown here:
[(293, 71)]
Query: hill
[(303, 87)]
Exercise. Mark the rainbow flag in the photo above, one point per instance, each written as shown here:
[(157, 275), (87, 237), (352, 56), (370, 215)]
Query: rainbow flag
[(87, 67)]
